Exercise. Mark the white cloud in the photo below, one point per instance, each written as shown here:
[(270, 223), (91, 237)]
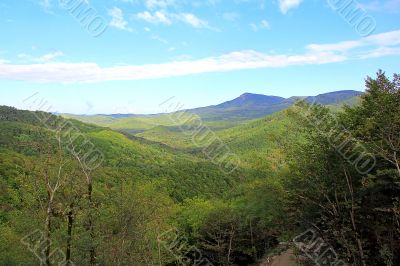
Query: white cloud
[(384, 39), (51, 56), (377, 6), (337, 47), (378, 45), (264, 24), (381, 51), (156, 17), (381, 40), (253, 26), (158, 38), (151, 4), (286, 5), (163, 17), (231, 16), (192, 20), (46, 6), (45, 3), (41, 59), (118, 20), (91, 72)]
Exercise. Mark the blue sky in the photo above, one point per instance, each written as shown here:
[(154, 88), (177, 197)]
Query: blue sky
[(128, 56)]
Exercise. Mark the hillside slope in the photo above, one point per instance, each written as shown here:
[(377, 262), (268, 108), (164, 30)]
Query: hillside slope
[(238, 111), (175, 137), (142, 186), (186, 175)]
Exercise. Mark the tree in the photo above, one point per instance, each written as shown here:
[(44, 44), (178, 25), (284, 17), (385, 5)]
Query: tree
[(344, 174)]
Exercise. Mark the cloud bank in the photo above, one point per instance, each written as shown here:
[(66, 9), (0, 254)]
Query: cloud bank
[(374, 46)]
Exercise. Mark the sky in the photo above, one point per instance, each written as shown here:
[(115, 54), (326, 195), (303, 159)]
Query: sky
[(129, 56)]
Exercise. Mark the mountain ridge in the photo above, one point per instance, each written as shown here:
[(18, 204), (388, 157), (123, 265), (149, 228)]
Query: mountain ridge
[(246, 98), (250, 106), (241, 110)]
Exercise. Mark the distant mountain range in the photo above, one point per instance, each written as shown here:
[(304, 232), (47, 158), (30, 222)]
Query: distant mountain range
[(334, 98), (246, 107), (250, 106)]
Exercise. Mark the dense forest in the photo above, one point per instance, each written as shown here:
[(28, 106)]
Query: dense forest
[(323, 182)]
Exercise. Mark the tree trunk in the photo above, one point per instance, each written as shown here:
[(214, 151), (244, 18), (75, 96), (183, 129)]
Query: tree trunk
[(69, 237), (91, 230), (230, 246), (353, 220), (253, 248), (48, 232), (359, 244)]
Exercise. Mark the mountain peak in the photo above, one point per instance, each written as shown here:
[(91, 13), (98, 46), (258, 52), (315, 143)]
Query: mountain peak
[(252, 99), (246, 94), (333, 97)]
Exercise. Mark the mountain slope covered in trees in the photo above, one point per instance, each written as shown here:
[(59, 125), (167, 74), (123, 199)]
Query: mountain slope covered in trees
[(246, 107), (76, 193), (139, 191)]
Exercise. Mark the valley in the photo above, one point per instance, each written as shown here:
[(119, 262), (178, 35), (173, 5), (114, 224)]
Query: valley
[(242, 110), (199, 133), (159, 191)]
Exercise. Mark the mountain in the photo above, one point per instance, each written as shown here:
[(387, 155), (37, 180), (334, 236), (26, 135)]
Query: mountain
[(334, 98), (142, 185), (246, 106), (250, 106), (140, 157), (142, 195), (240, 110), (251, 99), (149, 179)]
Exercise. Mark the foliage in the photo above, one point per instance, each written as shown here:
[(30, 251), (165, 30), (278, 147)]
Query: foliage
[(353, 205), (303, 167)]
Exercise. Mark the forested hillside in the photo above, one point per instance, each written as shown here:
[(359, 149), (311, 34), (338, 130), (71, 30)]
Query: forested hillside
[(238, 111), (223, 117), (74, 193), (139, 191), (344, 176)]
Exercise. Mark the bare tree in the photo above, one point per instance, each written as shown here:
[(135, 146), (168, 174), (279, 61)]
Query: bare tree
[(52, 184), (89, 182)]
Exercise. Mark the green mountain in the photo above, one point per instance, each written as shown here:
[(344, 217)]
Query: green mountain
[(225, 115), (138, 157), (248, 106), (75, 193), (164, 128), (333, 98), (145, 186)]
